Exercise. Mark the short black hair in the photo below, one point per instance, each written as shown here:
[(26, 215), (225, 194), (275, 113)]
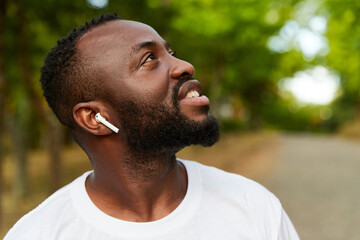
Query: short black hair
[(66, 78)]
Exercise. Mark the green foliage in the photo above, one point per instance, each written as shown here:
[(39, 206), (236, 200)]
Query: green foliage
[(344, 35), (226, 41), (231, 125)]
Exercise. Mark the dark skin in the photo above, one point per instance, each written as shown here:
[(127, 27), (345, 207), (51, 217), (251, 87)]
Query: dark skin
[(136, 64)]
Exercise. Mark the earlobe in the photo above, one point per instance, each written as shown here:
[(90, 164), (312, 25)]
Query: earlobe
[(84, 115)]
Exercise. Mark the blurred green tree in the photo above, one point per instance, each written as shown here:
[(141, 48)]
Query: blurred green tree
[(344, 56), (227, 41)]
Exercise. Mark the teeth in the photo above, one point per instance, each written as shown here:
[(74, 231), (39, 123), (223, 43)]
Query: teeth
[(192, 94)]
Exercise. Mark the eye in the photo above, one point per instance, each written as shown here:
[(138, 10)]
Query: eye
[(149, 61), (149, 58), (172, 53)]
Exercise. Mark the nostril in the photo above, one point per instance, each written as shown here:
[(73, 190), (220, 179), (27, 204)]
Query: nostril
[(181, 69), (185, 74)]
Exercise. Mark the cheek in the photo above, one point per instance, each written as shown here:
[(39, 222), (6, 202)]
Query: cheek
[(140, 90), (153, 86)]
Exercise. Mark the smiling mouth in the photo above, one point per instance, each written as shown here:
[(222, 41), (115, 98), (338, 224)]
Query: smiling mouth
[(190, 94), (189, 89)]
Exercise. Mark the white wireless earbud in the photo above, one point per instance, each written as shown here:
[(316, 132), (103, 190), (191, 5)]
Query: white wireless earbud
[(102, 120)]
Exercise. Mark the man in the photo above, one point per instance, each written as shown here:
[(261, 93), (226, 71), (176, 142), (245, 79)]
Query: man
[(131, 105)]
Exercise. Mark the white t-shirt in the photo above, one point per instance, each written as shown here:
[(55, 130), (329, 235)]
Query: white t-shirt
[(217, 205)]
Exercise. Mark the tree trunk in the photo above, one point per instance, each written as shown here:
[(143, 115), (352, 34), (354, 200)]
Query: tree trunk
[(55, 136), (54, 139), (20, 152), (2, 99), (215, 89)]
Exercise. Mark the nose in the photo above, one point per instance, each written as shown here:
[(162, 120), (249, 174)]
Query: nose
[(182, 69)]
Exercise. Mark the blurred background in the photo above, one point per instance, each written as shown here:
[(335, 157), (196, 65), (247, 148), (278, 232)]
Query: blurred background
[(282, 76)]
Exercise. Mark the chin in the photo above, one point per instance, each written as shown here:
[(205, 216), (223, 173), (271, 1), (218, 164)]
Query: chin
[(199, 114), (198, 118)]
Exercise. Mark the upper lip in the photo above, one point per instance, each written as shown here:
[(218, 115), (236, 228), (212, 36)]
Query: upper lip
[(190, 85)]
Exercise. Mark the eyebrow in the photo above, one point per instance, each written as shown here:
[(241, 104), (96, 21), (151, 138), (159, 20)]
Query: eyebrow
[(147, 44)]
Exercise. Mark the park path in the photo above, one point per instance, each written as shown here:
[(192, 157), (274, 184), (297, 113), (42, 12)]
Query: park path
[(317, 179)]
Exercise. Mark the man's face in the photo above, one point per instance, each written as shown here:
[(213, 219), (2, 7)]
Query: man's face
[(147, 85)]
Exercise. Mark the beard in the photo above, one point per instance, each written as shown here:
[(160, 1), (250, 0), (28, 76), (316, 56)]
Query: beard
[(153, 128)]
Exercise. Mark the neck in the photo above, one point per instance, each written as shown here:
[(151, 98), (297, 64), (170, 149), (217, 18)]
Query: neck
[(137, 187)]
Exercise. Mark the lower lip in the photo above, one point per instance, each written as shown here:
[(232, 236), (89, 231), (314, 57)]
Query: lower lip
[(196, 101)]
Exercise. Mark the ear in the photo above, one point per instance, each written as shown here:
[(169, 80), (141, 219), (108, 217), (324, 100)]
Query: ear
[(84, 115)]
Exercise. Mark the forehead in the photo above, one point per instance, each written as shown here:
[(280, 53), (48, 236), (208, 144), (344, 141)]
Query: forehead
[(117, 35)]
